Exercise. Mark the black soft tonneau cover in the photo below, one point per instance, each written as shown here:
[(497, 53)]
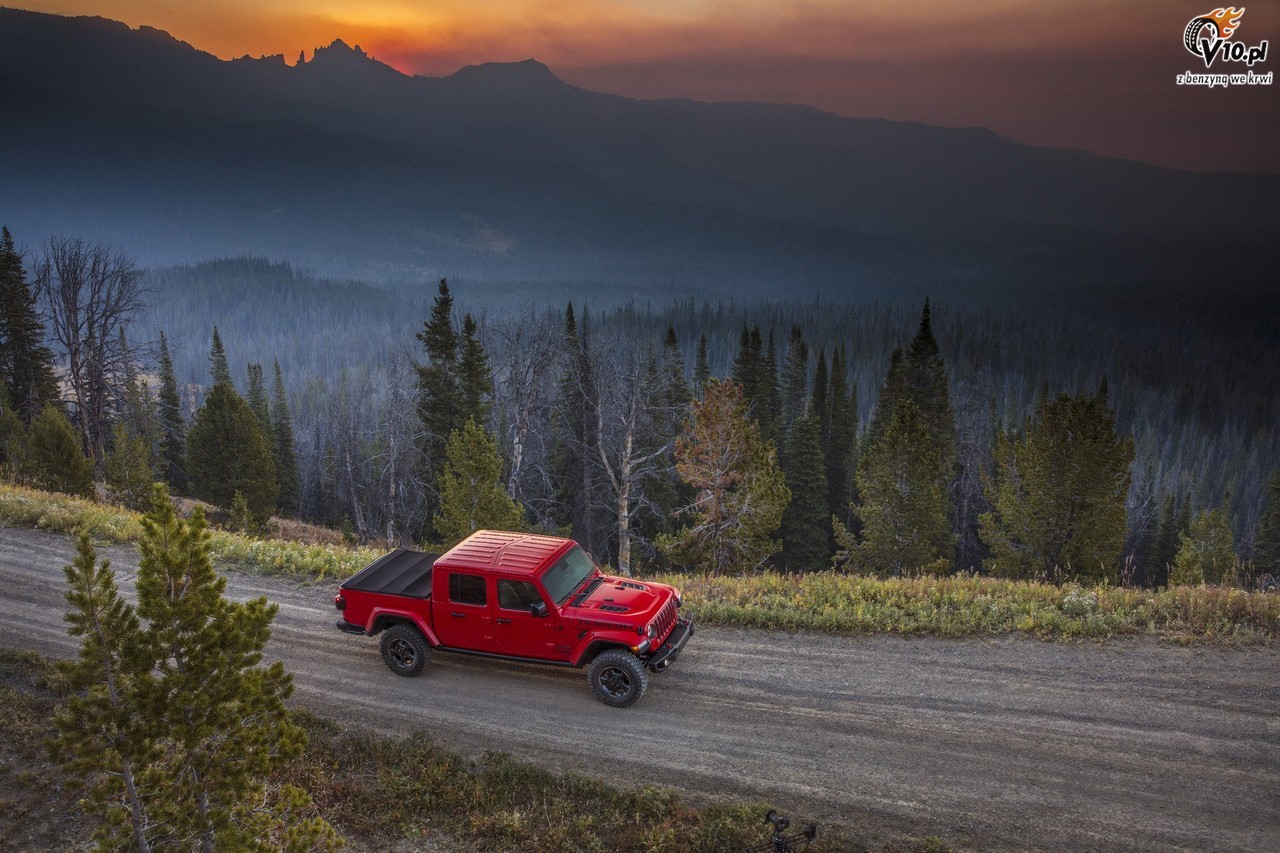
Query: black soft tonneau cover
[(402, 572)]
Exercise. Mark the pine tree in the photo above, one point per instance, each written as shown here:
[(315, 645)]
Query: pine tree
[(475, 378), (806, 522), (222, 715), (283, 450), (54, 458), (471, 494), (239, 518), (1164, 544), (820, 404), (1267, 548), (1206, 552), (927, 387), (677, 392), (844, 432), (770, 394), (228, 452), (13, 440), (740, 491), (893, 389), (903, 508), (794, 383), (104, 740), (701, 367), (219, 370), (173, 436), (128, 469), (1058, 499), (26, 364), (439, 400), (257, 396)]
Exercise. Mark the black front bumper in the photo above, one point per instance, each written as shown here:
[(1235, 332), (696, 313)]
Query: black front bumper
[(666, 654)]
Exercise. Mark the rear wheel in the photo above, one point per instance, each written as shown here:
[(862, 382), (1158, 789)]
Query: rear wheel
[(405, 650), (618, 678)]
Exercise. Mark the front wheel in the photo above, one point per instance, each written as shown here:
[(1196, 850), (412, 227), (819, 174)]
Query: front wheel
[(405, 650), (618, 678)]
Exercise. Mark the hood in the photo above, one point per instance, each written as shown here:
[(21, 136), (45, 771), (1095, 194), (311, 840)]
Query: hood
[(623, 600)]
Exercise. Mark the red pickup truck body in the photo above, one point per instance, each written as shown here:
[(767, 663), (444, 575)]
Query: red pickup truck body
[(522, 597)]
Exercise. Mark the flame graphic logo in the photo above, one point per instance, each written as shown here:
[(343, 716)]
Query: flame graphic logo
[(1224, 22)]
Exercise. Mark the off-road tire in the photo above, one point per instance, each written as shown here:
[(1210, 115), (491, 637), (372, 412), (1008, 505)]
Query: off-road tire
[(404, 650), (618, 678)]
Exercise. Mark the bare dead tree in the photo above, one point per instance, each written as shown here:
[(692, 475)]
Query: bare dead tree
[(90, 294), (527, 354), (630, 398), (401, 509)]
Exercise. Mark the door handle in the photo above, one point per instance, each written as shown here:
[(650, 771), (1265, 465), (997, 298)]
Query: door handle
[(503, 621), (459, 615)]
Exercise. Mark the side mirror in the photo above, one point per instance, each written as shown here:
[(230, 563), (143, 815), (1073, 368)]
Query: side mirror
[(538, 609)]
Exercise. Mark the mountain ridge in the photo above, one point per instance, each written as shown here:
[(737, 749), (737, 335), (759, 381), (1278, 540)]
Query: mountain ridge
[(504, 168)]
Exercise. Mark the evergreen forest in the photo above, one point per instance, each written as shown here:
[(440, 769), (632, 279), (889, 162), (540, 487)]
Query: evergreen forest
[(1109, 437)]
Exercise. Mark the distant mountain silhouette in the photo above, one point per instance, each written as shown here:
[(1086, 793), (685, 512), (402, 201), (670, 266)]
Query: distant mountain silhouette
[(345, 165)]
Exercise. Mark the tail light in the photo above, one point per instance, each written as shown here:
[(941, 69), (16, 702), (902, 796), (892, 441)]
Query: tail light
[(339, 602)]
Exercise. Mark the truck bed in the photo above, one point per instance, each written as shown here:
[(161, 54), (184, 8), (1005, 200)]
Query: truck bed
[(402, 572)]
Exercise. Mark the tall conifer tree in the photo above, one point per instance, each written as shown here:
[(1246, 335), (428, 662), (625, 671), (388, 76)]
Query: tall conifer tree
[(228, 452), (26, 364), (256, 396), (1058, 497), (806, 522), (438, 395), (54, 457), (475, 377), (283, 448), (903, 505), (794, 383), (219, 370), (1267, 549), (173, 436), (701, 367)]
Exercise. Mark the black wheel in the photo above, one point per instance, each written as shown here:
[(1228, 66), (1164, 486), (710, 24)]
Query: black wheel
[(405, 650), (618, 678)]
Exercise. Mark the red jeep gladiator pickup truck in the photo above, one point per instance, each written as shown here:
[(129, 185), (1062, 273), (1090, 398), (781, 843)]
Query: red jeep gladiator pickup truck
[(520, 597)]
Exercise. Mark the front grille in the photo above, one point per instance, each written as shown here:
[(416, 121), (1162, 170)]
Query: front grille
[(666, 620)]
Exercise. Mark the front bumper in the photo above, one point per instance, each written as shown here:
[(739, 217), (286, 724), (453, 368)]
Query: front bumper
[(666, 654)]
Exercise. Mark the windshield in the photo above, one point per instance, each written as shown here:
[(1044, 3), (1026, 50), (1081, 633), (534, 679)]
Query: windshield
[(567, 574)]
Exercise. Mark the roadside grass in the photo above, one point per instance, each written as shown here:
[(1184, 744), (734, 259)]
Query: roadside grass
[(972, 606), (23, 507), (383, 792), (960, 606)]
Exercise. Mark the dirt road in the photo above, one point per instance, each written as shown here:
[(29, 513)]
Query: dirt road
[(1012, 744)]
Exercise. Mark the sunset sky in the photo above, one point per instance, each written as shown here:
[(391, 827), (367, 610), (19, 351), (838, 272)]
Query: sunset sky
[(1091, 74)]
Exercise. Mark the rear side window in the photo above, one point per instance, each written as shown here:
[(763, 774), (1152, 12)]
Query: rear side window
[(466, 589), (517, 595)]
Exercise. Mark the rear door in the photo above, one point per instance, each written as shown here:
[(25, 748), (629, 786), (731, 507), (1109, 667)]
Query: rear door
[(464, 619), (518, 631)]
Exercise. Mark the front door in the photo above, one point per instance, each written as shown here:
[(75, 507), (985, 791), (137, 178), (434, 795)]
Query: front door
[(465, 620), (519, 632)]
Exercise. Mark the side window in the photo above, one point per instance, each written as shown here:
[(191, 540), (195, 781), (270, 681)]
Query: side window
[(517, 595), (467, 589)]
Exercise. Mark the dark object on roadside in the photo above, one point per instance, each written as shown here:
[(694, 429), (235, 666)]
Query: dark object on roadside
[(780, 841)]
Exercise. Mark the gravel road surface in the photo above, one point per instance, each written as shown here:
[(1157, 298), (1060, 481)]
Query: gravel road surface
[(1011, 744)]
